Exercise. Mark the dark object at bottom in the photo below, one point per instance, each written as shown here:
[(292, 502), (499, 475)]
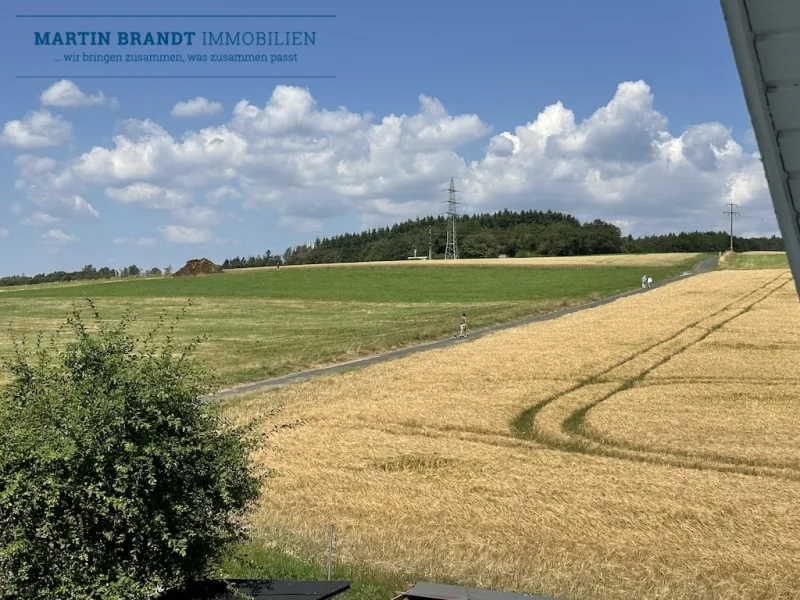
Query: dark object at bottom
[(437, 591), (259, 589)]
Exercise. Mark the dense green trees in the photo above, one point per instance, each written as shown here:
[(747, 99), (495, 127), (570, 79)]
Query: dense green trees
[(241, 262), (87, 273), (520, 234), (696, 241)]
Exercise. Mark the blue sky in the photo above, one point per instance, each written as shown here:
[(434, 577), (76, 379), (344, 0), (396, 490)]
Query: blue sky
[(628, 111)]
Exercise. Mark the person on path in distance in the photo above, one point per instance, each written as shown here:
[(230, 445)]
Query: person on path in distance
[(644, 281), (649, 283), (463, 326)]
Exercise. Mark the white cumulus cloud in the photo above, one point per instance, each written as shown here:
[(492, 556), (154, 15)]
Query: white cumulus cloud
[(80, 207), (50, 190), (57, 237), (195, 108), (65, 93), (40, 219), (142, 241), (179, 234), (150, 196), (302, 224), (53, 191), (304, 164), (199, 216), (222, 194), (38, 129)]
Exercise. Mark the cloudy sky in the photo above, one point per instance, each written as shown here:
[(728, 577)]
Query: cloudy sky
[(630, 112)]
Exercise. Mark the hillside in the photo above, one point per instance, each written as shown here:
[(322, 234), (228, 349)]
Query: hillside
[(514, 234)]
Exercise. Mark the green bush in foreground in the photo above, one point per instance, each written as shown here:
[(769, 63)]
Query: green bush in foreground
[(116, 481)]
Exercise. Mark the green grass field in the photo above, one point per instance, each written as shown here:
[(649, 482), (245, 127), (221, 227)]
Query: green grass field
[(256, 561), (375, 284), (754, 260), (267, 323)]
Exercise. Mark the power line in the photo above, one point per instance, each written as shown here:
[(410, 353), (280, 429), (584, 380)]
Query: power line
[(663, 178), (732, 213), (542, 192)]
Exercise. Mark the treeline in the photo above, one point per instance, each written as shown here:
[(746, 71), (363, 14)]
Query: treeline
[(479, 236), (697, 241), (261, 260), (86, 274), (513, 234), (508, 233)]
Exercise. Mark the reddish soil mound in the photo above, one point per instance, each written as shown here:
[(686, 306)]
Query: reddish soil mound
[(198, 266)]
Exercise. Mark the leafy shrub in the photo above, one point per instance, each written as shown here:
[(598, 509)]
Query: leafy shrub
[(117, 481), (525, 254)]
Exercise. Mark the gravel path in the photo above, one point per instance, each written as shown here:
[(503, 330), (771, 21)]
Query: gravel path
[(704, 267)]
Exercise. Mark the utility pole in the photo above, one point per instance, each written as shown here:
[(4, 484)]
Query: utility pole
[(451, 248), (732, 213), (330, 551), (430, 242)]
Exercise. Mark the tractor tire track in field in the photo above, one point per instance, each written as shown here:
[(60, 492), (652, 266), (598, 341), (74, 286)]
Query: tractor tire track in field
[(524, 422), (576, 422), (559, 422), (704, 267)]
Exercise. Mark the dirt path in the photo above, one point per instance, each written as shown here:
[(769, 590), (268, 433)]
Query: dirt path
[(704, 267)]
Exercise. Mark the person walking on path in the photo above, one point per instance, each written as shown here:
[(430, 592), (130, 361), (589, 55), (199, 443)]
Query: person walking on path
[(644, 281), (649, 283), (463, 326)]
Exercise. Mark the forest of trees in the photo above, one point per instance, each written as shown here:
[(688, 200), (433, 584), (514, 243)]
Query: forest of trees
[(261, 260), (514, 234), (86, 274)]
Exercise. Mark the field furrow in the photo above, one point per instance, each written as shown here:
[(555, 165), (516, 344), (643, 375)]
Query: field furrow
[(561, 421)]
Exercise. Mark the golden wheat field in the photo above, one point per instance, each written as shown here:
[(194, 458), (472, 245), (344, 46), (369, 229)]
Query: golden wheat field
[(647, 448), (621, 260)]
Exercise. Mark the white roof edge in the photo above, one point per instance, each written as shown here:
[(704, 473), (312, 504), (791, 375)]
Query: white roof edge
[(755, 94)]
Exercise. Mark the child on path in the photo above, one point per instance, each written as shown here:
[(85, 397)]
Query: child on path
[(649, 283)]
